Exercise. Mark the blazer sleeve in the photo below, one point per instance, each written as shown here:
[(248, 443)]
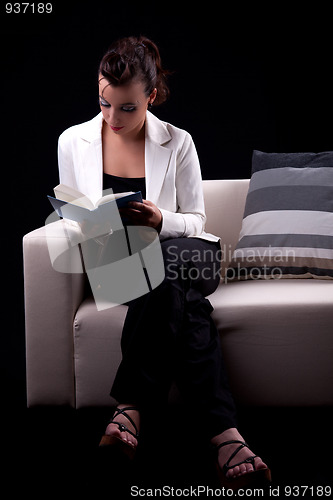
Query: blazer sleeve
[(65, 160), (66, 165), (189, 219)]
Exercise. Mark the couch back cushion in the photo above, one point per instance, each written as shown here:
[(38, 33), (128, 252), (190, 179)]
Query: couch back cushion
[(225, 202), (287, 230)]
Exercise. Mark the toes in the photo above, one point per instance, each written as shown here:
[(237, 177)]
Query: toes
[(113, 430), (239, 470), (127, 437), (121, 425), (242, 469), (131, 440), (234, 472), (245, 468), (260, 464), (249, 468)]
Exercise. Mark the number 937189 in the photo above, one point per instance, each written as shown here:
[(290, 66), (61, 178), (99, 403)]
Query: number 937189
[(28, 8)]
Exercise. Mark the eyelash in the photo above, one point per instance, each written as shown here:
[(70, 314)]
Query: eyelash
[(107, 105)]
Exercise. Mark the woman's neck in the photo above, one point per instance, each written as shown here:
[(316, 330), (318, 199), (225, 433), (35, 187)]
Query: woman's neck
[(123, 157), (134, 136)]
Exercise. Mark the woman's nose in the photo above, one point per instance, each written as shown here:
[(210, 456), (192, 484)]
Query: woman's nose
[(113, 116)]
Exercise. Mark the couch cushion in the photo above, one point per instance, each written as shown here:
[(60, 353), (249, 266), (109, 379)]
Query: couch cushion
[(287, 229), (277, 340), (224, 204)]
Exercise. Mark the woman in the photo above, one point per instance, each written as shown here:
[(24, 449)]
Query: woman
[(168, 333)]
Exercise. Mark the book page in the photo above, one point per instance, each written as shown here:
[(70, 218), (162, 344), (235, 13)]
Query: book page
[(66, 193), (114, 196)]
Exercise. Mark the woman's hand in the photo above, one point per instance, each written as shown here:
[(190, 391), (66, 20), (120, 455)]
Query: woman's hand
[(143, 214)]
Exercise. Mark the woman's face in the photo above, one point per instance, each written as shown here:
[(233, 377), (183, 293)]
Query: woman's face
[(124, 108)]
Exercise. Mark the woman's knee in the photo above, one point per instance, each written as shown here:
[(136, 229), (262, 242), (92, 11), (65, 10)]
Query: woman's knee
[(191, 263)]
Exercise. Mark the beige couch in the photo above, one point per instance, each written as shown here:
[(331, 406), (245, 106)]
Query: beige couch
[(277, 336)]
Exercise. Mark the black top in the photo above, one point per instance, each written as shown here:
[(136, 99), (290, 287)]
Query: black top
[(124, 184)]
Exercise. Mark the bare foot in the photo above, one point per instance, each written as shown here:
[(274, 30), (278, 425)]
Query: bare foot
[(114, 430), (225, 453)]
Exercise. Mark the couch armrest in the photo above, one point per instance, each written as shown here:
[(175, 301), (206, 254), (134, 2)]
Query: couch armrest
[(51, 300)]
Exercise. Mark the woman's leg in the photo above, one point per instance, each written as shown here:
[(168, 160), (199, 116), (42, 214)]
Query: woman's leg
[(172, 327), (148, 347), (200, 375)]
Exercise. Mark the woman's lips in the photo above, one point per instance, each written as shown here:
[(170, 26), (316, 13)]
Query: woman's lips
[(115, 129)]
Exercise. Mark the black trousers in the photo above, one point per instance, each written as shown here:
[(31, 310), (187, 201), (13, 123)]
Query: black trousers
[(169, 336)]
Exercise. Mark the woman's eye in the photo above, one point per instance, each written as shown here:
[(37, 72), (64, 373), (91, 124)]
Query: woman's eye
[(104, 103), (128, 109)]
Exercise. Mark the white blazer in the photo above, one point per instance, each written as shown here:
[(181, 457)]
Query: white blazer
[(172, 170)]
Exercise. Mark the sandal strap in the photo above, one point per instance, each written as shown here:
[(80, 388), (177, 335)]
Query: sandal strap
[(242, 444), (233, 441), (122, 427)]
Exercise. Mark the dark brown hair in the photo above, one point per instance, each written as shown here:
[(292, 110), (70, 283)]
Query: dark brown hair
[(135, 59)]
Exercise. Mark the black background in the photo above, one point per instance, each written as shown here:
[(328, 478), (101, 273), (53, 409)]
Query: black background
[(247, 76)]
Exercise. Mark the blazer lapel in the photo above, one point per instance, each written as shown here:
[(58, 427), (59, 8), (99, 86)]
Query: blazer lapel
[(157, 156), (91, 168)]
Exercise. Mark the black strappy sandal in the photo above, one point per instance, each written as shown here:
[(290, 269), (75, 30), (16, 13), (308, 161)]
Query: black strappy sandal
[(126, 448), (256, 477)]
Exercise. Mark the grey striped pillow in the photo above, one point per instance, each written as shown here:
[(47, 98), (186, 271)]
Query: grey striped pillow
[(287, 228)]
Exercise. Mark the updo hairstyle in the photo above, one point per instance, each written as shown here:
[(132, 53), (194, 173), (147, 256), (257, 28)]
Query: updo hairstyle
[(135, 59)]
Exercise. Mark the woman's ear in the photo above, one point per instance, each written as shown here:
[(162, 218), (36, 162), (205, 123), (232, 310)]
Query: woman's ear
[(152, 96)]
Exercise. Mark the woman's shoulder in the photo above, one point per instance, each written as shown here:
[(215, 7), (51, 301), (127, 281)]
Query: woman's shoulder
[(88, 130), (163, 131)]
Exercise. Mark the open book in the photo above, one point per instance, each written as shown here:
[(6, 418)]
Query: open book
[(71, 204)]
